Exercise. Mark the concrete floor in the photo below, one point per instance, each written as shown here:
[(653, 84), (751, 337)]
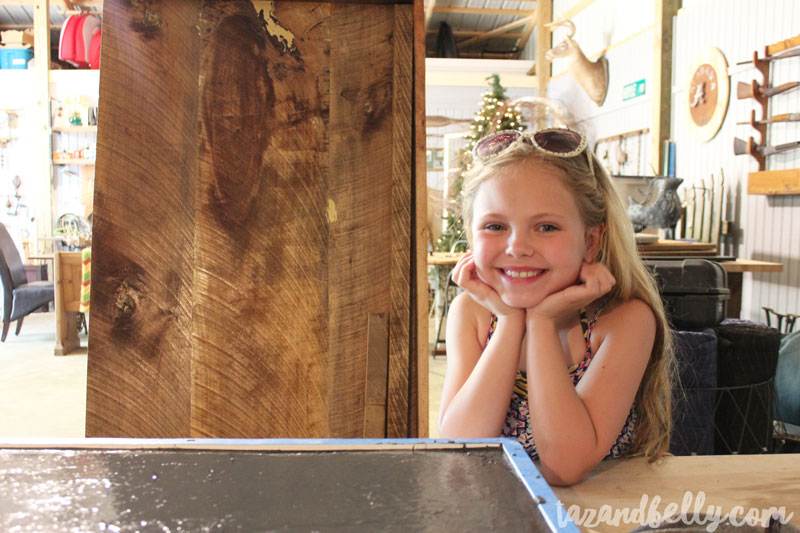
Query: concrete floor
[(42, 395)]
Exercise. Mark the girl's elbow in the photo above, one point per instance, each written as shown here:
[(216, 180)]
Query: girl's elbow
[(562, 479), (564, 473)]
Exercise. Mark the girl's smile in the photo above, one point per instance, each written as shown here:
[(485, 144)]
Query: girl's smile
[(529, 240)]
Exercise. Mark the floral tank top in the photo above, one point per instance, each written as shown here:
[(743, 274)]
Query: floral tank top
[(518, 424)]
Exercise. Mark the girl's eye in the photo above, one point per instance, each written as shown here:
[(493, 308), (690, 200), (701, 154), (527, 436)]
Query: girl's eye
[(548, 228), (494, 227)]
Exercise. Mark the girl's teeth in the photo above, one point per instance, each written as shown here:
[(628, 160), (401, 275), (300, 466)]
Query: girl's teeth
[(518, 274)]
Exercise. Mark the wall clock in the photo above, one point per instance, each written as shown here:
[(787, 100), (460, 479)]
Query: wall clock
[(708, 92)]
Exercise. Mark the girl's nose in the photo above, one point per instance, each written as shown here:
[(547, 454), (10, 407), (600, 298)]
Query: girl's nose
[(519, 245)]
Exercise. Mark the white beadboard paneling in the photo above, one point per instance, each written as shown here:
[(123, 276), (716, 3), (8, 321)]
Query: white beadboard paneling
[(768, 226)]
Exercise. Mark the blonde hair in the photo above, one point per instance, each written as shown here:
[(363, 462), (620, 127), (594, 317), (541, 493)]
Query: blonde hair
[(599, 203)]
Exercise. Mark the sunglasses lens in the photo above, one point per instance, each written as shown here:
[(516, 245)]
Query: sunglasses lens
[(495, 144), (558, 141)]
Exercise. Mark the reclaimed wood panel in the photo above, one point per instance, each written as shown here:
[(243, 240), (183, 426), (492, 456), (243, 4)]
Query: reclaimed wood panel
[(296, 170), (360, 198), (260, 295), (139, 368)]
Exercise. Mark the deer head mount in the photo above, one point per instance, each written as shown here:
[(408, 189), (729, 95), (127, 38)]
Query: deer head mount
[(591, 76)]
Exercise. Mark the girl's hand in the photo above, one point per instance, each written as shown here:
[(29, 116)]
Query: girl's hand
[(465, 274), (594, 281)]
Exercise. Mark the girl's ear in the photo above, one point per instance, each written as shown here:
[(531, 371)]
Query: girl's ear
[(593, 236)]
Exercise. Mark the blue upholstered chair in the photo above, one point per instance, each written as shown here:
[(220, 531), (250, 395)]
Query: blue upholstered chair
[(20, 298)]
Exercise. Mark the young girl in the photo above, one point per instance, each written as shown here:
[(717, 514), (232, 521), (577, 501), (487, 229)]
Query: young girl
[(559, 337)]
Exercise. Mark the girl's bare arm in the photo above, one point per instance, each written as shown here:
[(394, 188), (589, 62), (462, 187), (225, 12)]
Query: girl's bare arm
[(575, 427), (478, 383)]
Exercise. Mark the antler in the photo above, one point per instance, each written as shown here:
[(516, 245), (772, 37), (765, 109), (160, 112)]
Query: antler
[(565, 23)]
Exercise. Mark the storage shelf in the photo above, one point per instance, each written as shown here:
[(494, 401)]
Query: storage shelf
[(78, 162), (774, 182), (75, 129)]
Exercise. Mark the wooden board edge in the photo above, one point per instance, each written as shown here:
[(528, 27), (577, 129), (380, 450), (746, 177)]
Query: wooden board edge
[(256, 445), (420, 418)]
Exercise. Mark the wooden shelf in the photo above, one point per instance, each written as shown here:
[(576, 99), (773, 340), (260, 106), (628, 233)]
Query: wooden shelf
[(78, 162), (774, 182), (75, 129)]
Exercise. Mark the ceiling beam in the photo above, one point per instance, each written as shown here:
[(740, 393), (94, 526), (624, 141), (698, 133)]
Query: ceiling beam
[(526, 35), (498, 31), (25, 25)]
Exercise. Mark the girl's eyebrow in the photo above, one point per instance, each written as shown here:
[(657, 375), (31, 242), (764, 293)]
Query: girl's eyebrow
[(533, 217)]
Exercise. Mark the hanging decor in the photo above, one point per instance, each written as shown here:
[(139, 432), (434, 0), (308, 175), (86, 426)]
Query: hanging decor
[(709, 88)]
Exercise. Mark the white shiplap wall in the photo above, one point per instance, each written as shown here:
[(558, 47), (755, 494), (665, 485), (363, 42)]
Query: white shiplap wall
[(769, 227)]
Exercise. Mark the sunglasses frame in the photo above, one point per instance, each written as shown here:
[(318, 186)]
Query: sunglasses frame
[(531, 138)]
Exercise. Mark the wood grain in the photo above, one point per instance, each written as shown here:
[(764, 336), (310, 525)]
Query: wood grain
[(377, 375), (140, 340), (360, 192), (751, 481), (774, 182), (260, 229), (67, 276), (402, 142), (274, 214), (418, 374)]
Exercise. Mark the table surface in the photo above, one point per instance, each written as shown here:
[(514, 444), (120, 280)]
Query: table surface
[(281, 485), (754, 482)]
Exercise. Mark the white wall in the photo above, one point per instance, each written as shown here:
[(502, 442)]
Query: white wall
[(770, 226), (625, 28)]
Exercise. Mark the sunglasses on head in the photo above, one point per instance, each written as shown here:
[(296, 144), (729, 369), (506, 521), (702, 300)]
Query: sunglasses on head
[(560, 142)]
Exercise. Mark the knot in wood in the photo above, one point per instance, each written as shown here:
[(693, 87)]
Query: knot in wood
[(144, 19), (126, 300)]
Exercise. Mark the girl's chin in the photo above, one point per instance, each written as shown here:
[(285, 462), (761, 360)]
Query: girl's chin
[(518, 302)]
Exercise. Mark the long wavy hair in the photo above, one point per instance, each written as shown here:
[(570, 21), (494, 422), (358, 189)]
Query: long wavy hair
[(599, 203)]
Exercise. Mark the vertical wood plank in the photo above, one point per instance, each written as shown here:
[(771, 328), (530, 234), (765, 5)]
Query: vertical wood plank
[(402, 143), (43, 164), (419, 404), (544, 41), (662, 79), (66, 273), (140, 345), (360, 198), (261, 236), (377, 373)]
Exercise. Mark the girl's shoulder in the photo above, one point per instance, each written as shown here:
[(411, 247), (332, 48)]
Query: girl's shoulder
[(624, 315)]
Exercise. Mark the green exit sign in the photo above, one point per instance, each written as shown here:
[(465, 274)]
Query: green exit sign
[(632, 90)]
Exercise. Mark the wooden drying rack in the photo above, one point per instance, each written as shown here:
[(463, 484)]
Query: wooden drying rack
[(768, 181)]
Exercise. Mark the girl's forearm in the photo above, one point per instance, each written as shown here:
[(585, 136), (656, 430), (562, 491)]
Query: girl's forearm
[(562, 428), (479, 408)]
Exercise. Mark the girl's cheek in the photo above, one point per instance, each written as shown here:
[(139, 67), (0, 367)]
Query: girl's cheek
[(482, 271)]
